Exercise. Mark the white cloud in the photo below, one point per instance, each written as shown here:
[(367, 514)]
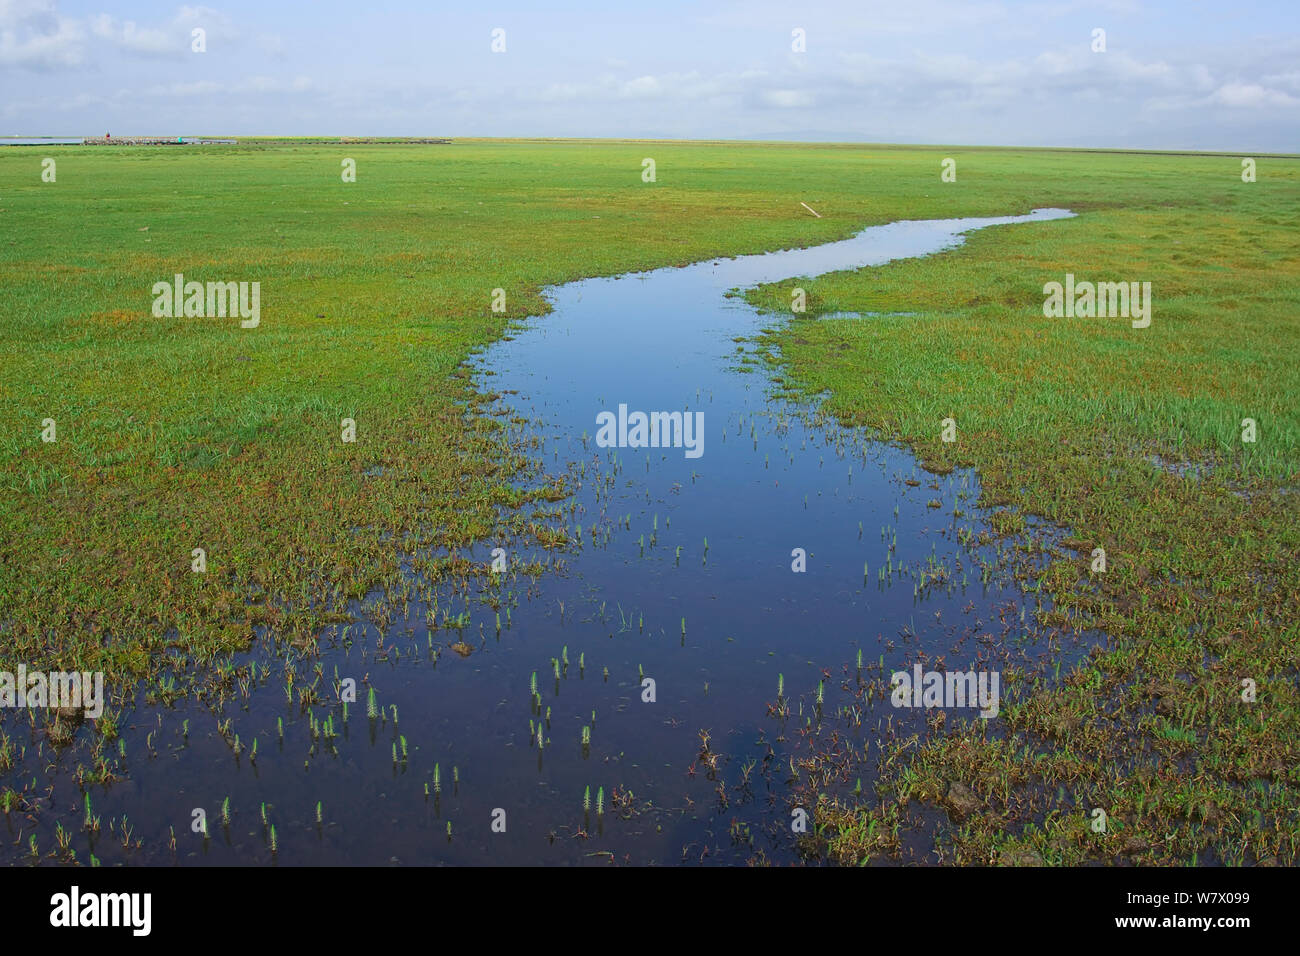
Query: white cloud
[(976, 71), (35, 36), (149, 41), (787, 99), (643, 86), (1251, 96), (269, 44), (15, 13), (39, 45), (1289, 80), (915, 17), (194, 88)]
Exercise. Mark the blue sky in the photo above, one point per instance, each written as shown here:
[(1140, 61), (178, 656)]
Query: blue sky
[(1191, 74)]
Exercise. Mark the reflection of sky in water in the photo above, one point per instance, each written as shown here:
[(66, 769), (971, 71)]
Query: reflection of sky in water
[(657, 341)]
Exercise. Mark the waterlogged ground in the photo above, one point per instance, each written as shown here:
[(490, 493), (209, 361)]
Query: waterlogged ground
[(665, 567)]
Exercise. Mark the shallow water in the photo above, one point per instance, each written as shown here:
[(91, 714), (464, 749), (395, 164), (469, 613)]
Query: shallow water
[(772, 477)]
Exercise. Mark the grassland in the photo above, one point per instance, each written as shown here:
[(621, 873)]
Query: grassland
[(1132, 439), (175, 434)]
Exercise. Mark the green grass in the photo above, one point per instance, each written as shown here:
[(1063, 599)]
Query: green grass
[(184, 433), (1090, 423)]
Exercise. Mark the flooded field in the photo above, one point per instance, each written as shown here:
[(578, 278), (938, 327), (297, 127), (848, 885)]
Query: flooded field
[(710, 646)]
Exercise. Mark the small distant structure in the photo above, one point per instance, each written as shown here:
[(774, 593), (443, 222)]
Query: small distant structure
[(158, 141)]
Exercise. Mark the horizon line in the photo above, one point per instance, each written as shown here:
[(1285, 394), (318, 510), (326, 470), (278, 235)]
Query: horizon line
[(358, 139)]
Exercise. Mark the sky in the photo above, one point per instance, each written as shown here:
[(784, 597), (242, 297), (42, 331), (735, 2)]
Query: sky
[(1174, 74)]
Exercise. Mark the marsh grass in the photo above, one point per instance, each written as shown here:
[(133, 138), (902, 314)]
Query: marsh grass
[(184, 433), (1076, 421)]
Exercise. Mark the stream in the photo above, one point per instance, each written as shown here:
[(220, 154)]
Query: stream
[(715, 626)]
